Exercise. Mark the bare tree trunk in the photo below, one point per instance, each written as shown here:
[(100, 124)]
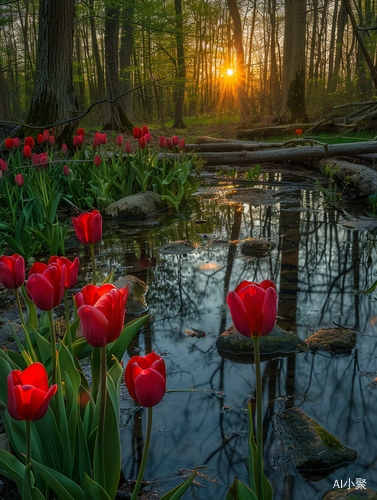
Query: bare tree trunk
[(274, 84), (180, 82), (125, 55), (53, 93), (100, 72), (80, 73), (342, 21)]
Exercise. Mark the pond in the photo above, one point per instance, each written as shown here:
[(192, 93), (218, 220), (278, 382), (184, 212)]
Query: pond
[(316, 265)]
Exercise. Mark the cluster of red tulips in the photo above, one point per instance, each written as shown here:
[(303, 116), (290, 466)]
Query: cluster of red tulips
[(143, 135), (171, 143), (29, 142)]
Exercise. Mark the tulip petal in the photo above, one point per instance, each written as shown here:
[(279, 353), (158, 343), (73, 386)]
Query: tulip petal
[(269, 311), (159, 366), (36, 376), (238, 313), (242, 285), (11, 401), (149, 388), (7, 276), (72, 273), (41, 292), (19, 271), (80, 230), (267, 284), (128, 376), (43, 407), (37, 268), (253, 302), (102, 290), (94, 326), (96, 228)]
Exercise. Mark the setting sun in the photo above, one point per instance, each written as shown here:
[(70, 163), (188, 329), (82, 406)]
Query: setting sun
[(229, 72)]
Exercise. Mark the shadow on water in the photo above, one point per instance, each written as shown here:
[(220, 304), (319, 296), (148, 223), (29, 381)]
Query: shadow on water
[(316, 265)]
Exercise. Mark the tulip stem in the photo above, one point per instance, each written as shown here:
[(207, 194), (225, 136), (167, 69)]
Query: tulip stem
[(28, 447), (145, 454), (53, 347), (102, 410), (94, 281), (68, 331), (30, 347), (259, 419)]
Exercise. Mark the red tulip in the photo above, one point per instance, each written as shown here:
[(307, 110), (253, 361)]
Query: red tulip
[(145, 378), (88, 227), (3, 165), (162, 142), (29, 141), (28, 393), (16, 142), (142, 142), (51, 139), (40, 139), (64, 148), (35, 160), (27, 151), (182, 144), (94, 145), (81, 131), (81, 140), (101, 310), (253, 308), (98, 138), (175, 140), (19, 180), (71, 269), (46, 285), (127, 148), (145, 130), (103, 138), (43, 159), (137, 133), (97, 161), (8, 143), (66, 170), (169, 143), (46, 135), (76, 141), (12, 271), (148, 137), (119, 141), (298, 131)]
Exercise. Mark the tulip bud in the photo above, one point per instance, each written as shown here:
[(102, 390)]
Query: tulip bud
[(16, 142), (66, 170), (145, 378), (182, 144), (81, 139), (145, 130), (136, 133), (8, 143), (27, 152), (142, 142), (119, 141), (94, 145), (40, 139), (76, 141), (127, 148), (97, 161), (29, 141), (19, 180), (103, 139), (51, 139), (12, 270), (148, 137), (35, 159), (98, 138), (162, 142), (64, 149), (3, 166), (175, 140), (88, 227), (81, 131), (46, 135), (169, 143)]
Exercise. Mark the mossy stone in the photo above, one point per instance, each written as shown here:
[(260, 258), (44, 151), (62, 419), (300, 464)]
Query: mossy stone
[(332, 340), (310, 445), (257, 247), (136, 206), (136, 299), (240, 349), (179, 247)]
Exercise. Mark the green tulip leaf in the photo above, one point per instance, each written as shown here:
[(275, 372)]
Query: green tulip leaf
[(239, 491), (85, 465), (64, 487), (179, 490), (5, 369), (370, 289), (43, 346), (32, 319), (94, 491), (119, 347), (12, 468)]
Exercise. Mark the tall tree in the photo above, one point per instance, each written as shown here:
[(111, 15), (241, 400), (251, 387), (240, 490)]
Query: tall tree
[(181, 73), (293, 88), (53, 93), (241, 80)]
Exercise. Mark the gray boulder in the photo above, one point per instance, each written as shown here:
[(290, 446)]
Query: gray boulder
[(136, 206), (257, 247), (178, 248), (136, 299)]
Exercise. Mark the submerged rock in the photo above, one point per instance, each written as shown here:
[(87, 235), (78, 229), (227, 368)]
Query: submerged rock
[(136, 299), (240, 349), (255, 196), (310, 445), (178, 247), (350, 494), (136, 206), (257, 247), (333, 340)]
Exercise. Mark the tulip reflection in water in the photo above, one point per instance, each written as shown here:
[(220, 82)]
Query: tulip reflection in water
[(253, 310)]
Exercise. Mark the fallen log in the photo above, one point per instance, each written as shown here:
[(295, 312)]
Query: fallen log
[(287, 154), (364, 179), (275, 130)]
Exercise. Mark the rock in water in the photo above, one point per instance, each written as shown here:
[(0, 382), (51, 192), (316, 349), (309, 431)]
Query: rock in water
[(136, 299), (178, 248), (333, 340), (136, 206), (310, 445), (257, 247), (240, 349)]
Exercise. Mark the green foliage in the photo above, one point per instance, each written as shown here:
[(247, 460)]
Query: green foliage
[(333, 193)]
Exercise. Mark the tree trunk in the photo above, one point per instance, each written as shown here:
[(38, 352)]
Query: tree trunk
[(293, 91), (180, 81), (342, 21), (240, 74), (99, 68), (125, 55), (53, 93), (116, 118)]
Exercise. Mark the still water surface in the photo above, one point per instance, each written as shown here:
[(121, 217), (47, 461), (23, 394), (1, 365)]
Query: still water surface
[(316, 265)]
